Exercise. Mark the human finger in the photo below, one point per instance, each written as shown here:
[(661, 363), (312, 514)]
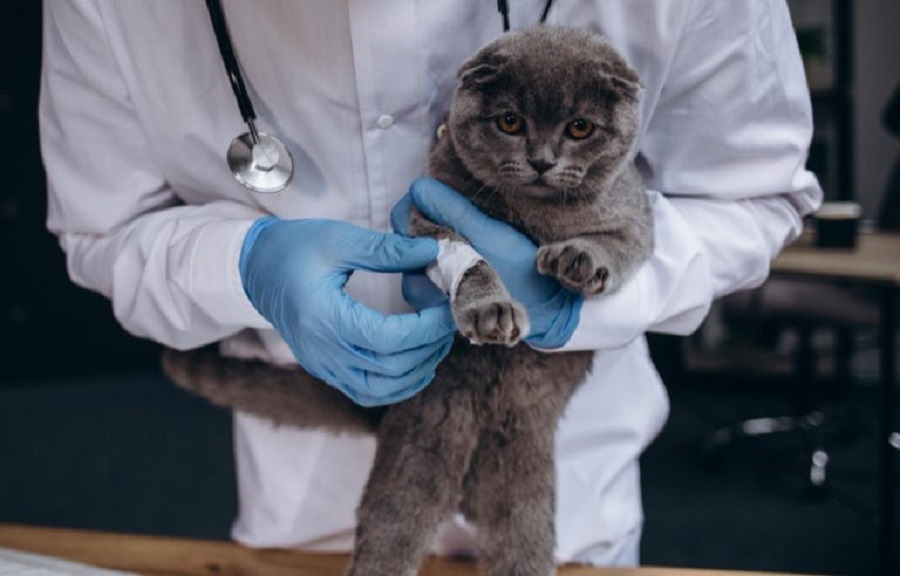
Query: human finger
[(381, 252), (384, 390), (397, 364), (371, 330), (400, 215)]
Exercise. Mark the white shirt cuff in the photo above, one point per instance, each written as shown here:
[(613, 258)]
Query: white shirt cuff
[(614, 320), (215, 281)]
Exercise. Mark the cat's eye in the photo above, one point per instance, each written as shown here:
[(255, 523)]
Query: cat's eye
[(510, 122), (579, 129)]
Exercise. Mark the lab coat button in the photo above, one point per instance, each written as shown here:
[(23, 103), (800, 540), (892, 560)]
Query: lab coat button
[(385, 122)]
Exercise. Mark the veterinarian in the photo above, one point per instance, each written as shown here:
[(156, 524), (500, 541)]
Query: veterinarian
[(138, 113)]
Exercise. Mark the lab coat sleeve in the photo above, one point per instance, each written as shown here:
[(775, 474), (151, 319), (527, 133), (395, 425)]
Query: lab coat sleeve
[(723, 157), (170, 270)]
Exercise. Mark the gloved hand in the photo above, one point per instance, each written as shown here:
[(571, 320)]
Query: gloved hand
[(552, 310), (294, 272)]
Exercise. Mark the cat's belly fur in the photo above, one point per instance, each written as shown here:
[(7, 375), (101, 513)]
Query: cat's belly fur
[(510, 387)]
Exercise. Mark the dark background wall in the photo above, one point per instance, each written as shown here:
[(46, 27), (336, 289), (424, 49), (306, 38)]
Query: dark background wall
[(48, 326)]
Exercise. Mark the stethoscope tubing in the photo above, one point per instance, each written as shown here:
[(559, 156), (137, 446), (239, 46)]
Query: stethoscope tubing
[(229, 60)]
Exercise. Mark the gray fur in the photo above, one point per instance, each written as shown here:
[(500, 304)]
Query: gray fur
[(480, 438)]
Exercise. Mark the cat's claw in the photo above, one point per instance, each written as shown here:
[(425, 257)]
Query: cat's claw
[(575, 265), (503, 322)]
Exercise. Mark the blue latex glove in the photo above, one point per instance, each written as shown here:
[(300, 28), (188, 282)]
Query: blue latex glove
[(294, 272), (552, 310)]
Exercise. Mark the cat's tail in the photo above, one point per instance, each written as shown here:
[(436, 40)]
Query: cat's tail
[(286, 395)]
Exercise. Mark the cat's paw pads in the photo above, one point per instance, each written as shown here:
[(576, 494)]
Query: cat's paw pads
[(576, 266), (502, 322)]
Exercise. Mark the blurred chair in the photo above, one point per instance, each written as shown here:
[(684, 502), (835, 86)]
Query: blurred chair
[(808, 308)]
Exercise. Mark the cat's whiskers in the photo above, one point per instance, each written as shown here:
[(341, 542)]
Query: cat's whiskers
[(503, 189), (570, 176), (511, 170), (482, 188)]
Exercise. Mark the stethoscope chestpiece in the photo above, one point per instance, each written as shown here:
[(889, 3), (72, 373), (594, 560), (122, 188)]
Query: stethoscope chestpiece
[(263, 166)]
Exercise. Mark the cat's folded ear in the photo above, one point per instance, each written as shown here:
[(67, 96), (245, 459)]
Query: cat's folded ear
[(481, 70), (626, 87), (616, 76)]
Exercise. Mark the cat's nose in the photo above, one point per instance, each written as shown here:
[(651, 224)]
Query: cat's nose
[(541, 166)]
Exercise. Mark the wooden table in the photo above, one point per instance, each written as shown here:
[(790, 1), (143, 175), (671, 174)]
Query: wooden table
[(874, 262), (153, 555)]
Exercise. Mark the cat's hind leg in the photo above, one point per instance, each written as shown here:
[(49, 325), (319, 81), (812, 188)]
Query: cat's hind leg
[(510, 495), (425, 445)]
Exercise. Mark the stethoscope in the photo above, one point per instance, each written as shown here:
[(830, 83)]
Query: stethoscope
[(257, 160)]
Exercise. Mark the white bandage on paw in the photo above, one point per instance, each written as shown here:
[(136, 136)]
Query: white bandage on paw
[(451, 264)]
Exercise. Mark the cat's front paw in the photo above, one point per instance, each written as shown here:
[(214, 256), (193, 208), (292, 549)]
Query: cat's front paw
[(493, 322), (578, 264)]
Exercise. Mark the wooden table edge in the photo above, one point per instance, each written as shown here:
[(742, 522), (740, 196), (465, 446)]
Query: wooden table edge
[(157, 555)]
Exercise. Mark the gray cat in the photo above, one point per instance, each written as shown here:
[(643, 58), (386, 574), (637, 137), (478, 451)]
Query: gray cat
[(540, 135)]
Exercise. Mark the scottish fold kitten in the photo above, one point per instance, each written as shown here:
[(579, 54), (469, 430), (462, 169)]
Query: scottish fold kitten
[(540, 135)]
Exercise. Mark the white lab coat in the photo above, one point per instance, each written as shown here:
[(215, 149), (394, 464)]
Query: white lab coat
[(136, 114)]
